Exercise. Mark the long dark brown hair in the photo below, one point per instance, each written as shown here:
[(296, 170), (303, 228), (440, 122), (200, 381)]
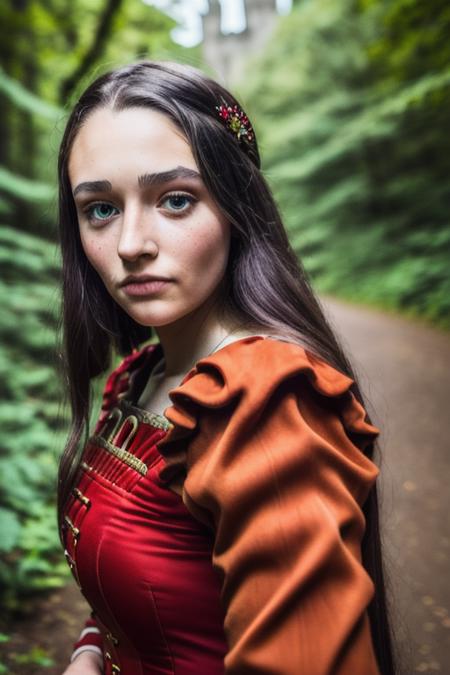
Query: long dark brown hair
[(265, 283)]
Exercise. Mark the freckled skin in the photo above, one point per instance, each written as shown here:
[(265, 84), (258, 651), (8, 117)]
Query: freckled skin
[(143, 233)]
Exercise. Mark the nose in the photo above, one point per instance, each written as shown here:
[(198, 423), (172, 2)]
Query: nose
[(137, 236)]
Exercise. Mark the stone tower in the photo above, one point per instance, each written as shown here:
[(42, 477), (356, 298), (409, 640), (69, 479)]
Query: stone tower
[(226, 54)]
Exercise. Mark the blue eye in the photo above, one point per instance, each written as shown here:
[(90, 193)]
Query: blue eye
[(180, 202), (100, 212)]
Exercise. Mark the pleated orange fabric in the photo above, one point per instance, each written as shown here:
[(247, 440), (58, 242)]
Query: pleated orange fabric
[(271, 443)]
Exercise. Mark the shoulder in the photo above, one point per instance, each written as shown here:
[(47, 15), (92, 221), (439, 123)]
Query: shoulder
[(251, 373), (270, 389), (256, 365)]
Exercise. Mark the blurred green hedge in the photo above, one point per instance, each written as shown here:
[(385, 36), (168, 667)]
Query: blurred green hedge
[(350, 102), (48, 52), (30, 416)]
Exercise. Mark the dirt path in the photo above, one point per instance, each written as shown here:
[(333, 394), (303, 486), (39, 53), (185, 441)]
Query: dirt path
[(404, 368), (47, 635), (404, 371)]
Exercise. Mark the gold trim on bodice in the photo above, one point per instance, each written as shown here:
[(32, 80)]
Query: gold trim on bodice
[(122, 415), (125, 456), (155, 420)]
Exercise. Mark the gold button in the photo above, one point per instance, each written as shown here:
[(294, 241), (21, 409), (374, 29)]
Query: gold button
[(69, 559), (85, 500), (112, 638), (115, 668), (75, 531)]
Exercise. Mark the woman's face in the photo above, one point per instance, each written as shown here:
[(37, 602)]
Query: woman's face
[(143, 212)]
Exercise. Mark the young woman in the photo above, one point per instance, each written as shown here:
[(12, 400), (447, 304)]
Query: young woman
[(222, 518)]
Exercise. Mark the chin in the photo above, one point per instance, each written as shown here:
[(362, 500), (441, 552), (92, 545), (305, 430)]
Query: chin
[(156, 319)]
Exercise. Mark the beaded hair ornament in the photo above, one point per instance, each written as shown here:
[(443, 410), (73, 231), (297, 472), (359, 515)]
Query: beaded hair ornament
[(236, 122)]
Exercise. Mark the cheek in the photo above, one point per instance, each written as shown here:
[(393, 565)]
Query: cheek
[(95, 252), (206, 253)]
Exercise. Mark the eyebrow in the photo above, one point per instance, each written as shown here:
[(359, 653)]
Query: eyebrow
[(143, 181), (166, 176)]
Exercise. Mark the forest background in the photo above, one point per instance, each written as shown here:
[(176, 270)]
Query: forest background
[(350, 102)]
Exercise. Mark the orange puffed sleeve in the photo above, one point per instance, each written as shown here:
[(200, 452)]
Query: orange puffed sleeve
[(271, 441)]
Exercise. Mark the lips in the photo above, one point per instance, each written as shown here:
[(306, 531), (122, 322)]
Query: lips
[(141, 279), (144, 285)]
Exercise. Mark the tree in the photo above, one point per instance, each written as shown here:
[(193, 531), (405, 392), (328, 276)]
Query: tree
[(48, 51), (350, 104)]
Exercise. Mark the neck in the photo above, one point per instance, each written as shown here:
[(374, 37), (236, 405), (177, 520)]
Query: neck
[(191, 338)]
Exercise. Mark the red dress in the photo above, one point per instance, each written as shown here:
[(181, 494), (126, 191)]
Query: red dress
[(257, 568), (141, 559)]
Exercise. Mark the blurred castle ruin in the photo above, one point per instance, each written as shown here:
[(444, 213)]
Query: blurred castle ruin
[(226, 53)]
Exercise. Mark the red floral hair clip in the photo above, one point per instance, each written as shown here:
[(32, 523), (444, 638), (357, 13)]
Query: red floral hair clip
[(237, 122)]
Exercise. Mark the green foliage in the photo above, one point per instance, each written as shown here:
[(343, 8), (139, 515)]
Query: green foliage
[(412, 39), (24, 99), (3, 638), (10, 529), (49, 51), (30, 419), (24, 188), (36, 656), (350, 104)]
